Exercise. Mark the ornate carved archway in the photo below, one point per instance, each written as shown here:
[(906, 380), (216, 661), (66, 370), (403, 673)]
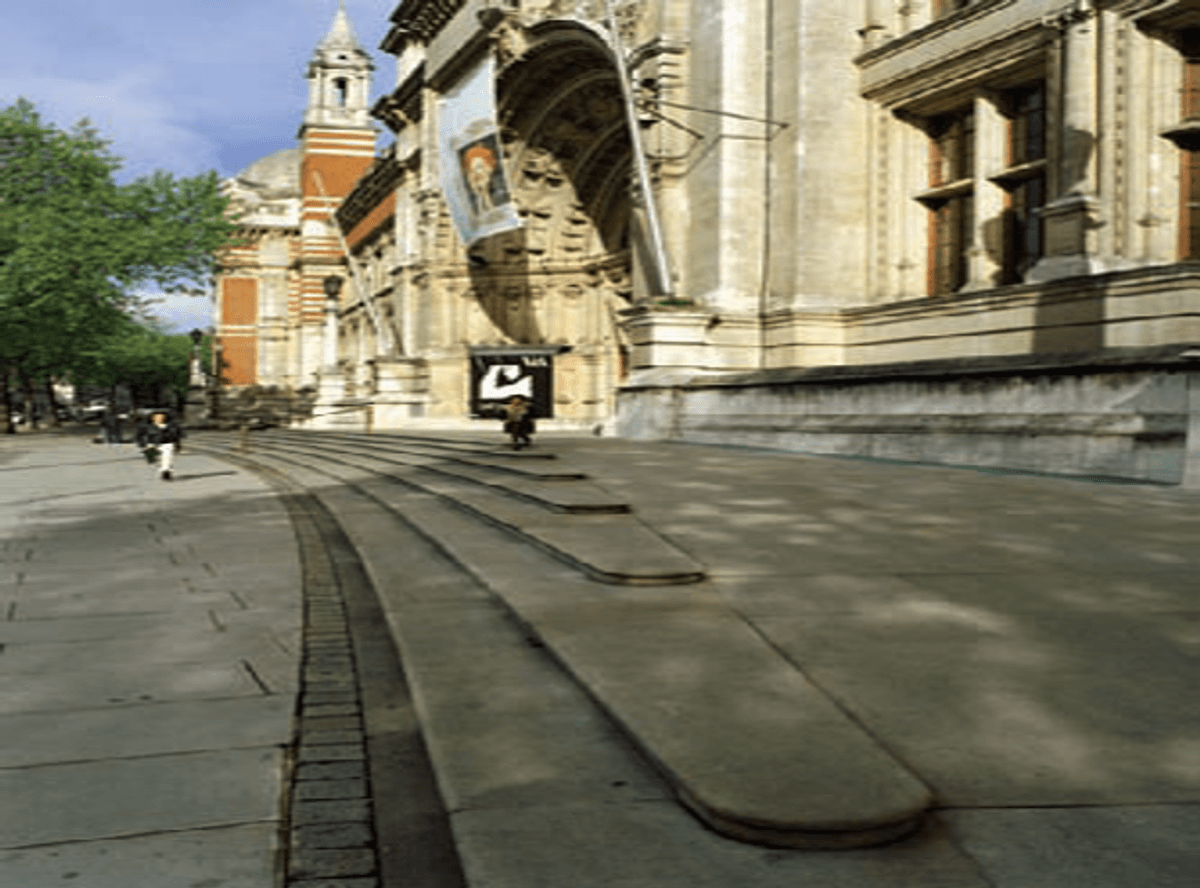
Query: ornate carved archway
[(560, 279)]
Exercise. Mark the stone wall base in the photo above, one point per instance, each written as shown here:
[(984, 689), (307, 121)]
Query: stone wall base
[(1120, 414)]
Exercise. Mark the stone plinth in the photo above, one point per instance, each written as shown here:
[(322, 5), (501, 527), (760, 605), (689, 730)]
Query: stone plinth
[(666, 338), (401, 391)]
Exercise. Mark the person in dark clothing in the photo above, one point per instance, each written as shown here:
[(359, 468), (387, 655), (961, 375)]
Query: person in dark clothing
[(112, 427), (141, 428), (165, 437)]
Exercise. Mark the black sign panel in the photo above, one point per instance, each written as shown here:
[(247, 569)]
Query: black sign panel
[(496, 376)]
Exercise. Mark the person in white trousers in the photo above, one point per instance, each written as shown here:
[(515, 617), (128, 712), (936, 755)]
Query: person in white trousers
[(164, 436)]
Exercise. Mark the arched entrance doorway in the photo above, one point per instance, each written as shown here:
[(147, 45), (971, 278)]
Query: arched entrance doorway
[(560, 279)]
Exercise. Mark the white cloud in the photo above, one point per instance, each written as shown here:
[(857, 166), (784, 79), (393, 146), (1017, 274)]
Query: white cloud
[(145, 129), (180, 313)]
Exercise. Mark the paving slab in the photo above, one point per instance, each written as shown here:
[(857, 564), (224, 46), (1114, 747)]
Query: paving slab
[(227, 857), (143, 743), (143, 729), (1109, 847), (116, 683), (1002, 709), (89, 627), (120, 797)]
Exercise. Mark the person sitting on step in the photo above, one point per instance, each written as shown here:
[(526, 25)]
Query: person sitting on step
[(518, 423)]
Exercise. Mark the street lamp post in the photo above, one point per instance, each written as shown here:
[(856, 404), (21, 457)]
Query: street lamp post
[(333, 286), (331, 390), (193, 409)]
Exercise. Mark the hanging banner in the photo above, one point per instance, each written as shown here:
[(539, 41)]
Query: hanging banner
[(471, 160)]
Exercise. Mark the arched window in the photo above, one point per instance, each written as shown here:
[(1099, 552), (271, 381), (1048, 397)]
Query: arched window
[(342, 89)]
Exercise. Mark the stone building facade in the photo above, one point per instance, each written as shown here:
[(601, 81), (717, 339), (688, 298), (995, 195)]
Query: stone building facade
[(939, 230), (270, 301)]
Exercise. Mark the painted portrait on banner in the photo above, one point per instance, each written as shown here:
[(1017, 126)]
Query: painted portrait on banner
[(483, 174)]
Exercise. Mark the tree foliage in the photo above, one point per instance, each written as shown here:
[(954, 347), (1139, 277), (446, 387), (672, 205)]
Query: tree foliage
[(153, 365), (75, 247)]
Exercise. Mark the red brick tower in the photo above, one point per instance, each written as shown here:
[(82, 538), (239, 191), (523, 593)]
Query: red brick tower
[(337, 146)]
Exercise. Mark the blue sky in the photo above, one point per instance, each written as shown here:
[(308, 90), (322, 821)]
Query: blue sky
[(180, 86)]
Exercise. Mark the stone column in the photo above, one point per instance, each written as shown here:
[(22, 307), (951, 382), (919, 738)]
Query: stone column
[(331, 391), (874, 30), (330, 354), (1069, 222)]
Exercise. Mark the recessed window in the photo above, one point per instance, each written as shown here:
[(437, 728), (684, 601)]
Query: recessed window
[(1189, 155), (341, 91), (1024, 180), (951, 198)]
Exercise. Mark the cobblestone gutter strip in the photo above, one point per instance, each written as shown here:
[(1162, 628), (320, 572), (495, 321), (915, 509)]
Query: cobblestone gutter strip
[(331, 837), (358, 739)]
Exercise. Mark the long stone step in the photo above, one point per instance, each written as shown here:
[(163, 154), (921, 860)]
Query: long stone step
[(466, 447), (748, 744), (611, 548), (542, 488), (542, 467)]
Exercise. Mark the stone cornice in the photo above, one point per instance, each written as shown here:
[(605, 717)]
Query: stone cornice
[(1157, 15), (424, 18), (972, 65), (1113, 284), (936, 28), (402, 107)]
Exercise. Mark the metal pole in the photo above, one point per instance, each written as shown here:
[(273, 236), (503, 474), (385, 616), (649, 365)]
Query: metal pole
[(384, 340), (662, 268)]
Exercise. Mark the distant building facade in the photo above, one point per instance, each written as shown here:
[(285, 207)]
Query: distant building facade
[(942, 230), (269, 296)]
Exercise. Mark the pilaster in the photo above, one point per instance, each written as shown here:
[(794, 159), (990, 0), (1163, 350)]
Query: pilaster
[(987, 235), (727, 186), (1071, 221)]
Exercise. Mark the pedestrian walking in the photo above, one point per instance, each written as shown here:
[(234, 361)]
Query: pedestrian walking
[(141, 427), (111, 422), (518, 423), (165, 437)]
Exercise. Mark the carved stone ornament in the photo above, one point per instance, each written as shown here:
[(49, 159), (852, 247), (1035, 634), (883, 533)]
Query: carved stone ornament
[(509, 42)]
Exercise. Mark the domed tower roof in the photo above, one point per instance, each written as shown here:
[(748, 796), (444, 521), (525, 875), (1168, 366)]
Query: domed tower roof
[(278, 173)]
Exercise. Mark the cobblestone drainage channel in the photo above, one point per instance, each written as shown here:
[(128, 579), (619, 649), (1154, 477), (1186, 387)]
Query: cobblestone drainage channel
[(358, 739)]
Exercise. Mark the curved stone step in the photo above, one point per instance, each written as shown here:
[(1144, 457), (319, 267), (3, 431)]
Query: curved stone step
[(611, 548), (748, 743), (483, 448), (546, 489)]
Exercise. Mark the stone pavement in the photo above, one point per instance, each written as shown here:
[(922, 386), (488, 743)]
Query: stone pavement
[(1027, 647), (149, 642)]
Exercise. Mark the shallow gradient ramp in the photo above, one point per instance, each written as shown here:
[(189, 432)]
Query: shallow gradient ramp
[(747, 743)]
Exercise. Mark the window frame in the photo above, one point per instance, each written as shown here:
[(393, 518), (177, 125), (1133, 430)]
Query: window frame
[(1024, 179), (950, 198)]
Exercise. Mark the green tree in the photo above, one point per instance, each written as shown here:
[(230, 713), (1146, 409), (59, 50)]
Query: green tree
[(152, 364), (75, 246)]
